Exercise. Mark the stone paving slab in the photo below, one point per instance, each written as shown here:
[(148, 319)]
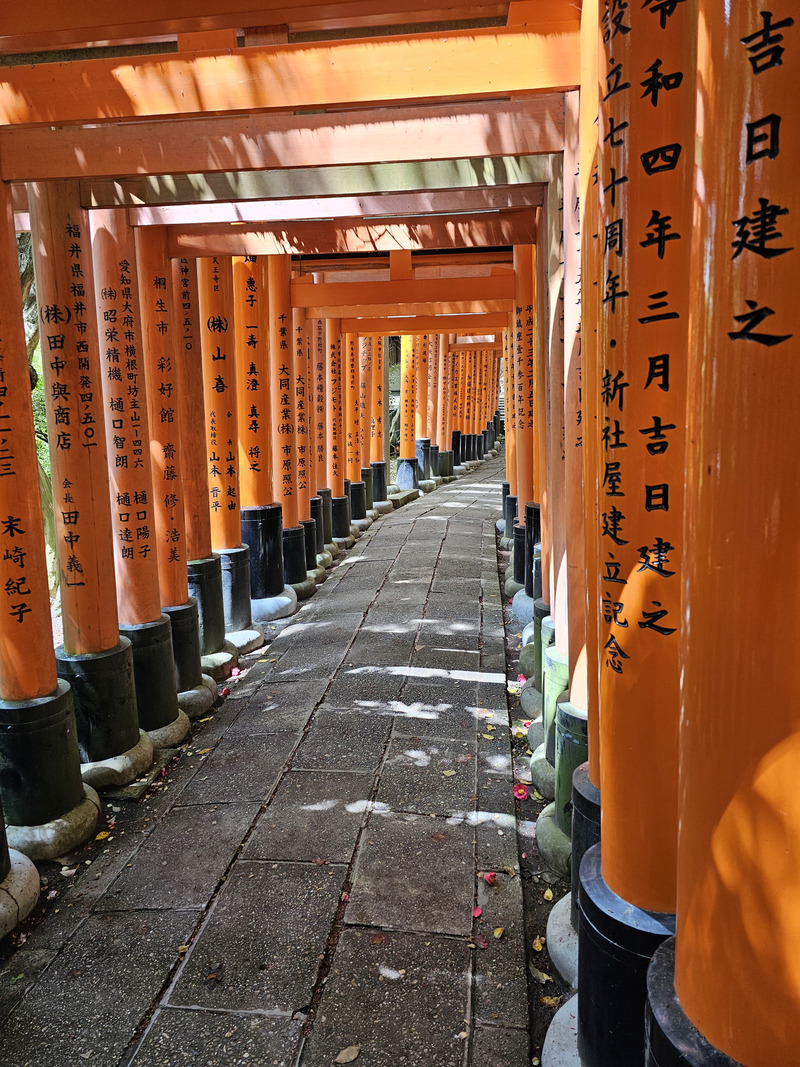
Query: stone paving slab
[(435, 716), (429, 776), (399, 997), (262, 946), (234, 772), (402, 860), (339, 740), (314, 814), (182, 1037), (89, 1003), (500, 1047), (183, 860)]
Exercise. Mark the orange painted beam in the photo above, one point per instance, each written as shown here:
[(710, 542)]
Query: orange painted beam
[(479, 230), (433, 308), (465, 63), (402, 292), (481, 346), (527, 125), (25, 28), (389, 326)]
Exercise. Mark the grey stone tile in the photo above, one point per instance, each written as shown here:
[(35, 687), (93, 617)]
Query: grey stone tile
[(314, 814), (438, 657), (441, 606), (261, 948), (89, 1003), (400, 997), (461, 587), (185, 1038), (389, 647), (500, 1046), (279, 708), (183, 860), (501, 987), (431, 776), (435, 718), (401, 860), (240, 768), (452, 633), (339, 740), (374, 683)]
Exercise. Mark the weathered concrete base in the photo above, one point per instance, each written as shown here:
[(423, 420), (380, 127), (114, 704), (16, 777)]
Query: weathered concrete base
[(173, 733), (195, 703), (362, 525), (304, 590), (244, 641), (373, 513), (384, 507), (119, 770), (19, 892), (528, 634), (324, 560), (500, 526), (392, 489), (506, 542), (543, 774), (527, 659), (219, 664), (560, 1047), (403, 497), (512, 588), (59, 836), (530, 700), (460, 469), (355, 532), (427, 485), (554, 845), (344, 544), (562, 941), (522, 607), (333, 549), (281, 606), (536, 731), (438, 479)]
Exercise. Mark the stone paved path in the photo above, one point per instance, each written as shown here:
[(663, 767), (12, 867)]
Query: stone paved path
[(306, 882)]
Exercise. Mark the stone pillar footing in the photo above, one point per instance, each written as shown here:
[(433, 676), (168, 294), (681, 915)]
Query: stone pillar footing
[(554, 845), (19, 892), (122, 769), (197, 702), (235, 563), (262, 529), (543, 773), (60, 836), (585, 828), (173, 733), (275, 607), (294, 555), (672, 1040), (358, 501), (153, 672), (617, 942), (379, 488), (205, 585), (408, 474), (555, 681), (340, 510), (245, 641), (560, 1048), (185, 622), (562, 941)]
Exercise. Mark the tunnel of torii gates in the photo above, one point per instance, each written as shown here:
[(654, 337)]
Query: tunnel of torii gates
[(590, 207)]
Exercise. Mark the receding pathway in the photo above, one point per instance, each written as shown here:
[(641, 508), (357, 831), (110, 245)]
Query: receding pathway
[(306, 882)]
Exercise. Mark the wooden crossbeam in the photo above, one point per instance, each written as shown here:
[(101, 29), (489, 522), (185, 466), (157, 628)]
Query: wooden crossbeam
[(444, 307), (396, 325), (479, 346), (524, 126), (465, 63), (305, 294), (313, 238)]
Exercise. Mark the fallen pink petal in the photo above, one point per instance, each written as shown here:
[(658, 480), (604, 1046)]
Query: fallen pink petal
[(476, 912), (521, 678), (520, 791), (490, 878)]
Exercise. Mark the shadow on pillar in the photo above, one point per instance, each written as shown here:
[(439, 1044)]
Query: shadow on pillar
[(422, 448), (458, 459), (205, 585), (379, 482), (47, 806), (154, 680)]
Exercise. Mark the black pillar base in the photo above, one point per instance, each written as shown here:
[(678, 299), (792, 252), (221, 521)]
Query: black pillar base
[(472, 445), (340, 512), (519, 554), (185, 644), (327, 515), (40, 766), (540, 612), (205, 585), (458, 459), (435, 472), (104, 698), (294, 555), (480, 446), (532, 539), (317, 515), (407, 474), (236, 605), (366, 478), (5, 859), (358, 500), (422, 447), (262, 533), (617, 942), (310, 540), (378, 480), (510, 515), (671, 1039), (153, 672), (446, 464), (585, 830)]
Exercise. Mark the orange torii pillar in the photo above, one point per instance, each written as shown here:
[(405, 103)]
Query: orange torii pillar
[(284, 428), (407, 462), (365, 349), (261, 515), (137, 516), (204, 568), (218, 349), (48, 808), (319, 435), (376, 433), (452, 401), (736, 996), (422, 440), (510, 434), (469, 448), (315, 356), (306, 467), (340, 501), (93, 658), (433, 402), (524, 378), (161, 341), (356, 489), (481, 440), (456, 405), (628, 882), (443, 408)]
